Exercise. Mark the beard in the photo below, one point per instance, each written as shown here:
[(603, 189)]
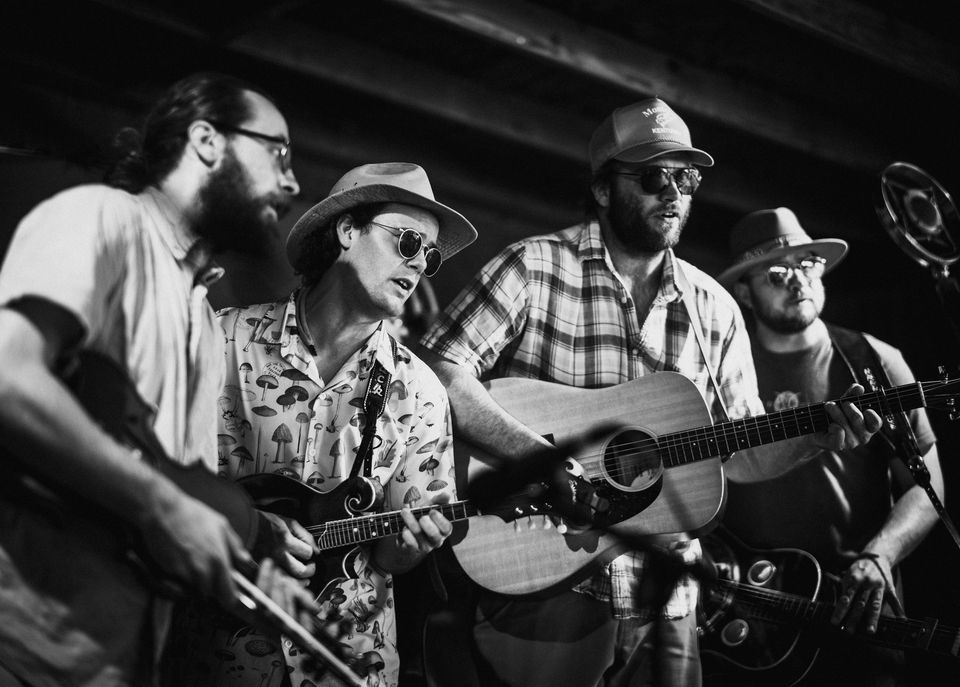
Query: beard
[(792, 322), (638, 233), (231, 217)]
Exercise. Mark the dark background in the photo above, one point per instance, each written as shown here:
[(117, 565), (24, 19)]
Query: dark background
[(802, 103)]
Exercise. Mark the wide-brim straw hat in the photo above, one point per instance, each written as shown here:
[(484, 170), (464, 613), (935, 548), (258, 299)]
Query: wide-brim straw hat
[(383, 182)]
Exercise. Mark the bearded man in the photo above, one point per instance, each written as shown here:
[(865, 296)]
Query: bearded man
[(595, 305), (122, 270), (857, 511)]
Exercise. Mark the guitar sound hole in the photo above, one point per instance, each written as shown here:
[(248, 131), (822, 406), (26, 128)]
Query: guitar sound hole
[(631, 460)]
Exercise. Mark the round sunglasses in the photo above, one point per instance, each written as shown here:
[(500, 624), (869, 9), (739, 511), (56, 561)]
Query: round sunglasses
[(410, 243), (654, 180)]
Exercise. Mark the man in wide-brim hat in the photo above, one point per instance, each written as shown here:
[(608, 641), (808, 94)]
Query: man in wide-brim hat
[(764, 236), (840, 506), (325, 368)]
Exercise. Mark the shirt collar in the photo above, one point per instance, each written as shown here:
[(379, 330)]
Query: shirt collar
[(295, 350), (592, 247)]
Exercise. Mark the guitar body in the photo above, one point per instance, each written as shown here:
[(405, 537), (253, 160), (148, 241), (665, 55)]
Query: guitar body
[(312, 508), (769, 611), (651, 463), (526, 554), (738, 644)]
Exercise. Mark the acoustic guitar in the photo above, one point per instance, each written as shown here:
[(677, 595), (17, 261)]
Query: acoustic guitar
[(657, 472), (769, 610)]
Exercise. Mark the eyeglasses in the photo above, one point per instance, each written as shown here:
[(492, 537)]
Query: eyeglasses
[(654, 180), (284, 151), (809, 268), (409, 245)]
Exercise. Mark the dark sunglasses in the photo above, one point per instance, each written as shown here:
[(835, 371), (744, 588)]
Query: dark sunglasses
[(409, 245), (283, 151), (654, 180), (812, 267)]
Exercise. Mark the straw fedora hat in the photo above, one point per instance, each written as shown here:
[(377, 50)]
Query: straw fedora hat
[(384, 182)]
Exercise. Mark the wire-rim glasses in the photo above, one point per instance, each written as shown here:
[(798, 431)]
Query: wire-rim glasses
[(410, 243), (283, 151)]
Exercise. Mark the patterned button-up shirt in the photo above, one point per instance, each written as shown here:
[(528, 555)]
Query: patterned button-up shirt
[(554, 308), (278, 415)]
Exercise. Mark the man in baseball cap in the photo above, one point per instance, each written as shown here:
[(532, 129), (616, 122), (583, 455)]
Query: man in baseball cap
[(319, 391), (856, 510), (594, 305)]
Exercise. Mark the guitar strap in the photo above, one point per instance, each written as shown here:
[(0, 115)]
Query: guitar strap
[(374, 401), (865, 367), (694, 316)]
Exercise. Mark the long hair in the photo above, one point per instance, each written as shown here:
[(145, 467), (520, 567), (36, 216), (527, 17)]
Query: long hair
[(143, 159)]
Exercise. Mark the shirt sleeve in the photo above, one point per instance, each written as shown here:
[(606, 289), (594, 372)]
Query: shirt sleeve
[(486, 316), (69, 251), (737, 375)]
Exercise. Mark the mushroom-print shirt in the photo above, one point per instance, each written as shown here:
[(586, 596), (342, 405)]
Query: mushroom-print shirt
[(277, 415)]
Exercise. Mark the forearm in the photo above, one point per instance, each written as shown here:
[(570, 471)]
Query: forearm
[(479, 419), (46, 430), (911, 519), (912, 516)]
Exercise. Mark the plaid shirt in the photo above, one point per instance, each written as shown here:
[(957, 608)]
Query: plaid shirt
[(554, 308)]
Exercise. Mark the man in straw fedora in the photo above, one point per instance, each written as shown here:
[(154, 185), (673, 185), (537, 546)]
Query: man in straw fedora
[(309, 375), (595, 305), (839, 506)]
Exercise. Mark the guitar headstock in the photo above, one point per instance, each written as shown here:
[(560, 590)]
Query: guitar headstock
[(943, 394)]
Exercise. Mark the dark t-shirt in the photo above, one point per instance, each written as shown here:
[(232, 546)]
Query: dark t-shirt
[(833, 504)]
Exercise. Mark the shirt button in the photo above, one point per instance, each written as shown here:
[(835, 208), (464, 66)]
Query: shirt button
[(635, 351)]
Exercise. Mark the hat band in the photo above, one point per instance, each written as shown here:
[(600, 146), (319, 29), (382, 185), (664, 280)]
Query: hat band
[(779, 242)]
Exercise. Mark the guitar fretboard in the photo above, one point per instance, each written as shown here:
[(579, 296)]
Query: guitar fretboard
[(901, 633), (363, 528), (692, 445)]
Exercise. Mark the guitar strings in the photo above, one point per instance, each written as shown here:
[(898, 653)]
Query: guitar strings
[(672, 449), (336, 533), (691, 445), (758, 599)]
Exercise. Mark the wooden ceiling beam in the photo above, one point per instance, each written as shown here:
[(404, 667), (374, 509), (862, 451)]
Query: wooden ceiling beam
[(547, 35), (872, 33)]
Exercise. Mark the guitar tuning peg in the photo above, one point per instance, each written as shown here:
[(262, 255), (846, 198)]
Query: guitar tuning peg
[(562, 527), (944, 375)]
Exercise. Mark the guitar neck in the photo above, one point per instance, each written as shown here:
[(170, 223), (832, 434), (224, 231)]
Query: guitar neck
[(349, 531), (692, 445), (898, 633)]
